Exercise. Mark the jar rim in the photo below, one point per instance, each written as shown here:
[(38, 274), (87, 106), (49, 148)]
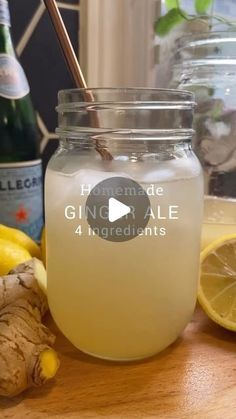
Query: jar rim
[(88, 112), (139, 135), (130, 96), (206, 37)]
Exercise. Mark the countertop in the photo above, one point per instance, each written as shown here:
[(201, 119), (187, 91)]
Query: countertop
[(194, 378)]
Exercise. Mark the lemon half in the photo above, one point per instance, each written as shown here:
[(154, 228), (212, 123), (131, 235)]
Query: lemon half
[(217, 289)]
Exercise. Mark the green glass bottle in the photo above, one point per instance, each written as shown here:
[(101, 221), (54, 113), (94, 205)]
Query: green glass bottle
[(21, 203)]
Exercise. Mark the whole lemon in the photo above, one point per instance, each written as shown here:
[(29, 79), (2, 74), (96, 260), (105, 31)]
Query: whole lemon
[(11, 255), (19, 237)]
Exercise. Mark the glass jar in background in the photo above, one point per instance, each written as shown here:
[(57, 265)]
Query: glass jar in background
[(124, 300), (206, 65)]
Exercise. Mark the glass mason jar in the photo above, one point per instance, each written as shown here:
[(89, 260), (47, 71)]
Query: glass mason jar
[(124, 300), (206, 65)]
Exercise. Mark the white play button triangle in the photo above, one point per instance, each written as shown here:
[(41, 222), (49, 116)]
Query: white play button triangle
[(117, 210)]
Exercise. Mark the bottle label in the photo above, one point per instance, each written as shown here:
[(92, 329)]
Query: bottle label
[(4, 13), (21, 197), (13, 82)]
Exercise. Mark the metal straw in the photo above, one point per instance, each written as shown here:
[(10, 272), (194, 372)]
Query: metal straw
[(65, 43), (73, 64)]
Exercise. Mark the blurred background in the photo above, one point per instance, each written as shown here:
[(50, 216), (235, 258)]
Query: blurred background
[(114, 40)]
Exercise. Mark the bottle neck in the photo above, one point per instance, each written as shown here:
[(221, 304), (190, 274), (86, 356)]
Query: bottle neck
[(4, 13), (6, 44)]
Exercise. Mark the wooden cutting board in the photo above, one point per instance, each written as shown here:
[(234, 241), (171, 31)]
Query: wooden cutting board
[(193, 379)]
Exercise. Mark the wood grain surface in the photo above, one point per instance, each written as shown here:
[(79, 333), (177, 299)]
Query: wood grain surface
[(194, 378)]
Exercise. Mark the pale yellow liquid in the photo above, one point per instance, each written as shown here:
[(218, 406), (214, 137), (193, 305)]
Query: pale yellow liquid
[(219, 219), (126, 300)]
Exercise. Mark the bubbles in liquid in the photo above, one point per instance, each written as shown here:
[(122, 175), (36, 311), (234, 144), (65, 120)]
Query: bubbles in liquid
[(80, 169), (219, 210), (165, 171), (70, 185), (92, 177)]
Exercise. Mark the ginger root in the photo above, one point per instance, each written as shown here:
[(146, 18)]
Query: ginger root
[(26, 356)]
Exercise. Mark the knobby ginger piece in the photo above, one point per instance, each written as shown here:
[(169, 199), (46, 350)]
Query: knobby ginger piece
[(26, 354)]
